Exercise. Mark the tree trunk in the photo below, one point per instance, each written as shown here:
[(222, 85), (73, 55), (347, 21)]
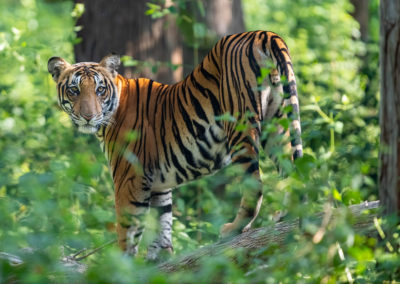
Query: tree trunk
[(361, 14), (389, 175), (122, 27), (222, 17)]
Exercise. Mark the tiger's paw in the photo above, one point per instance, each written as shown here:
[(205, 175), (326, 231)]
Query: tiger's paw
[(131, 251), (247, 228), (157, 254)]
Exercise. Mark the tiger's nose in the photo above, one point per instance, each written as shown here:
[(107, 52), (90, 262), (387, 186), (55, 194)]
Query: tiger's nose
[(86, 116)]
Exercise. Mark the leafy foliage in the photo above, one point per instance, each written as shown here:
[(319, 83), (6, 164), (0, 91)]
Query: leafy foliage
[(56, 195), (53, 190)]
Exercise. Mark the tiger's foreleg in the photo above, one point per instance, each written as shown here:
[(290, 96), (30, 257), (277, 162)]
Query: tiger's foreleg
[(131, 211), (162, 202), (252, 194)]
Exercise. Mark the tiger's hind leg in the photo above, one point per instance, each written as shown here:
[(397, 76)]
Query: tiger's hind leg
[(277, 146), (252, 195), (162, 202)]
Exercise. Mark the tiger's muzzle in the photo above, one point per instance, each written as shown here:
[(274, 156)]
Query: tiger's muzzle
[(88, 124)]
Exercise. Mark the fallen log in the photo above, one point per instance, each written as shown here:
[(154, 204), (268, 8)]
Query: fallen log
[(262, 237)]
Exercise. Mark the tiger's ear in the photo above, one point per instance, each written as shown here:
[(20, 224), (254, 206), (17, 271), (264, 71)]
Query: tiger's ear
[(56, 65), (111, 62)]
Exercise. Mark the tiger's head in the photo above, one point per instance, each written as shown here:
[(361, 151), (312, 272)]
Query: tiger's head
[(87, 91)]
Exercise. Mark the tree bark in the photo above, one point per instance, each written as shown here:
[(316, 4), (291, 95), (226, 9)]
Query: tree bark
[(222, 17), (122, 27), (263, 237), (389, 156), (361, 14)]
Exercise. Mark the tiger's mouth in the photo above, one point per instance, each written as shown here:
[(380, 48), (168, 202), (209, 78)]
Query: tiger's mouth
[(91, 126), (88, 129), (88, 126)]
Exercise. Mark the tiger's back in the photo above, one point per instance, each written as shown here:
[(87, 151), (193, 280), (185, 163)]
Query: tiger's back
[(195, 127), (181, 136)]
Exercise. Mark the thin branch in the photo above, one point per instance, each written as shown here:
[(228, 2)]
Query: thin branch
[(74, 257)]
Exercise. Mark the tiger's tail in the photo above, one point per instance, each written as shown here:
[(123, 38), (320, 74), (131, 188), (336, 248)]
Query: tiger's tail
[(279, 53)]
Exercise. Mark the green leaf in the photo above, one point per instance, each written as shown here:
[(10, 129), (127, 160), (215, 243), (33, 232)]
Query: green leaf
[(78, 10), (336, 195), (284, 122), (225, 117), (264, 73), (304, 165)]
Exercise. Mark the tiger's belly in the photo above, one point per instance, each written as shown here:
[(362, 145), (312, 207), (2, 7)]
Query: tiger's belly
[(194, 158)]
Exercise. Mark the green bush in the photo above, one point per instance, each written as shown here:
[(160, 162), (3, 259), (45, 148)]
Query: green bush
[(55, 190)]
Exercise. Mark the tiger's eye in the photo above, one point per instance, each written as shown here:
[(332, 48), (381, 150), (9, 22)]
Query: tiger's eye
[(100, 90), (73, 90)]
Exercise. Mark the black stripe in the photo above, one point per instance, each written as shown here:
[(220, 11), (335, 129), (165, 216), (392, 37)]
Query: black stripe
[(279, 55), (139, 204), (235, 139), (296, 139), (163, 140), (186, 118), (211, 55), (227, 65), (185, 151), (297, 154), (160, 193), (253, 167), (178, 179), (164, 209), (252, 98), (208, 94), (177, 164), (289, 89), (197, 85), (294, 112), (149, 91), (264, 42), (123, 176), (206, 155), (208, 75), (201, 133), (252, 61), (195, 173), (244, 160), (215, 138), (197, 107), (146, 188), (217, 162)]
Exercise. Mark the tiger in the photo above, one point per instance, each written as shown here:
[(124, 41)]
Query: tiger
[(181, 133)]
